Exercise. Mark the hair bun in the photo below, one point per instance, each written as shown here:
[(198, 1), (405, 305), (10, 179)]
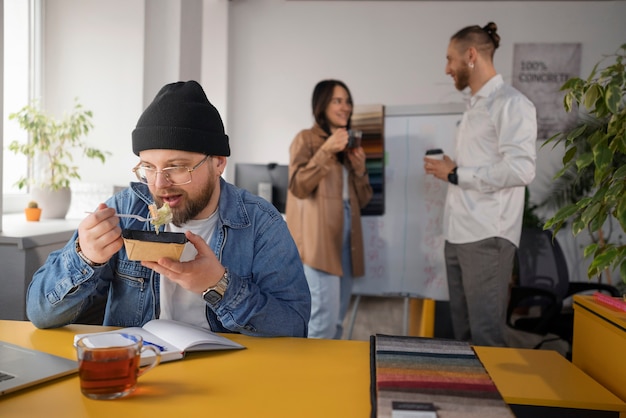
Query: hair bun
[(492, 30)]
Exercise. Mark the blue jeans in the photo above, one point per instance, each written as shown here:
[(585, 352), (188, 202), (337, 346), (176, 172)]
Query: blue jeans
[(330, 294), (325, 298), (345, 281)]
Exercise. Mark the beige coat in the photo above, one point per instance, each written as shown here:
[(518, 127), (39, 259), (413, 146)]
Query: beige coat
[(314, 208)]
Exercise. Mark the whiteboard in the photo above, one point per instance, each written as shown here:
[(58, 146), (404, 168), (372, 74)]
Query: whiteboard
[(404, 246)]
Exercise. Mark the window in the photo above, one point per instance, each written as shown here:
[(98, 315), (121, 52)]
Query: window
[(21, 84)]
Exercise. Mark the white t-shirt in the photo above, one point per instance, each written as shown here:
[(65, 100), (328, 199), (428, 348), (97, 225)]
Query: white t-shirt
[(178, 303)]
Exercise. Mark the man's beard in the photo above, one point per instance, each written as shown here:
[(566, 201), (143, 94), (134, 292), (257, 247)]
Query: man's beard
[(191, 207), (462, 77)]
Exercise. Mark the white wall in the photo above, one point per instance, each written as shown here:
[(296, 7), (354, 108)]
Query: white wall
[(215, 54), (105, 58), (388, 52), (94, 51), (261, 58)]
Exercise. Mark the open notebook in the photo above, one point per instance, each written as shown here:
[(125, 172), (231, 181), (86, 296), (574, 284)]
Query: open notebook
[(173, 339), (22, 367)]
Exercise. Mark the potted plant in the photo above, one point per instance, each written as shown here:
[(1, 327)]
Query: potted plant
[(595, 157), (49, 150), (32, 211)]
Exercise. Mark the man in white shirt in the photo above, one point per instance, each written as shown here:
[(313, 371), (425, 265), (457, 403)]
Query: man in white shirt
[(495, 160)]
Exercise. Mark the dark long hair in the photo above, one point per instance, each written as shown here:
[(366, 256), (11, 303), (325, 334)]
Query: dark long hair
[(485, 39), (322, 95)]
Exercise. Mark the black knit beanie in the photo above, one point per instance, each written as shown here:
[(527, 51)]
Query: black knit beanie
[(181, 118)]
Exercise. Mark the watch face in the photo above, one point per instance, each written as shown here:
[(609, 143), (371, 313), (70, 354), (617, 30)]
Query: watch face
[(212, 296)]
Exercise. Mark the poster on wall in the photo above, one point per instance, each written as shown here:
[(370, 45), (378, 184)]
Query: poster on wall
[(539, 71)]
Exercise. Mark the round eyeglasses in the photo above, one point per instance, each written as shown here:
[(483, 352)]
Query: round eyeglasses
[(175, 176)]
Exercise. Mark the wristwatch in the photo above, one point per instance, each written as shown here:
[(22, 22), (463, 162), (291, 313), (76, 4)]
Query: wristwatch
[(452, 176), (214, 294)]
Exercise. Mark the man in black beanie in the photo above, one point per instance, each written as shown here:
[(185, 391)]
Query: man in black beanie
[(240, 270)]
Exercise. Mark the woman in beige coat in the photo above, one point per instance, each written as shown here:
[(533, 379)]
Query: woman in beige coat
[(328, 186)]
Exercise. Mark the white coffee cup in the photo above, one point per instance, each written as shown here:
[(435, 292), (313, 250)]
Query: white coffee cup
[(435, 154)]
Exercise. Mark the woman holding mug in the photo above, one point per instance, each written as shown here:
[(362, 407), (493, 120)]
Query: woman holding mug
[(328, 186)]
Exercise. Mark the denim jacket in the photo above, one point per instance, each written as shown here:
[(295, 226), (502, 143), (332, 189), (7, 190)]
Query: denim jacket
[(267, 293)]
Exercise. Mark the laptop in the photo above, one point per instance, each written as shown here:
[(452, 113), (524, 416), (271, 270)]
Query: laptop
[(22, 367)]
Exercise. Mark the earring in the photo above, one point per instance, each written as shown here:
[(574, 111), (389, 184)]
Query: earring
[(471, 65)]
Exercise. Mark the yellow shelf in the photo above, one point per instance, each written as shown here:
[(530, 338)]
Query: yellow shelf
[(599, 347)]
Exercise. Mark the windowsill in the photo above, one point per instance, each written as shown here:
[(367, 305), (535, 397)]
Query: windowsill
[(14, 203), (17, 230)]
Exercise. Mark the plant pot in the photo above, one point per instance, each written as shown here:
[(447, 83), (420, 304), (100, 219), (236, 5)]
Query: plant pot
[(55, 203), (32, 214), (150, 246)]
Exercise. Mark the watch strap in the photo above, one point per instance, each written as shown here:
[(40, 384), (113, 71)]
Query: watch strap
[(453, 177), (215, 293)]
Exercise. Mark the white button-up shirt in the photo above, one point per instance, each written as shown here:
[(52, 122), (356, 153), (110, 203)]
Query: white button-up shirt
[(495, 156)]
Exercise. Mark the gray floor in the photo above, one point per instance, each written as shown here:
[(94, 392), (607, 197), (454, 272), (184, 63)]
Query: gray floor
[(376, 315)]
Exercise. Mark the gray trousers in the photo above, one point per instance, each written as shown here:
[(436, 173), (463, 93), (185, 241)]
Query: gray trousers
[(479, 274)]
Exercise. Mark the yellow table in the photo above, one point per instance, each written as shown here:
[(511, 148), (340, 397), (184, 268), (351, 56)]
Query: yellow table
[(544, 383), (278, 377), (272, 377), (599, 347)]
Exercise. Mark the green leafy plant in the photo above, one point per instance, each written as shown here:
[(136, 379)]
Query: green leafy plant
[(53, 141), (598, 146)]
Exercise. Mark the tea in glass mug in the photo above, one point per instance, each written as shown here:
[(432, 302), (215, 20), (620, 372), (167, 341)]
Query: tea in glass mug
[(108, 364)]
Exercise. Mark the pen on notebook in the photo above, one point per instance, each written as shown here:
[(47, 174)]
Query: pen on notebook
[(158, 347)]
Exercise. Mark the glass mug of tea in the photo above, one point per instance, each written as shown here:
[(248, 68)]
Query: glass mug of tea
[(354, 138), (109, 364)]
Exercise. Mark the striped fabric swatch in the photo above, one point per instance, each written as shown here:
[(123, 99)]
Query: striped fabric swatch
[(445, 373)]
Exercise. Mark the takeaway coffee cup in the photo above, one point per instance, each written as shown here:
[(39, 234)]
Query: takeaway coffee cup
[(108, 364), (436, 154)]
